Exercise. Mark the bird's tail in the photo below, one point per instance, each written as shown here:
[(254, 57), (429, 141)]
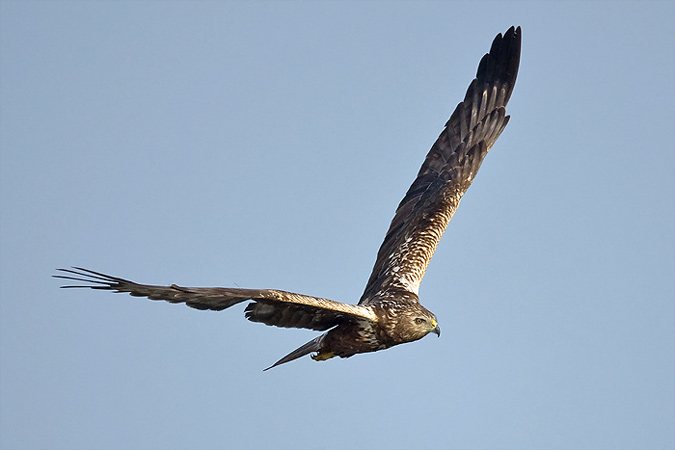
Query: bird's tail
[(312, 346)]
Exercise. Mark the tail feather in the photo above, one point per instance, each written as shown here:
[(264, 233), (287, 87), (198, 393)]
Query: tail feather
[(312, 346)]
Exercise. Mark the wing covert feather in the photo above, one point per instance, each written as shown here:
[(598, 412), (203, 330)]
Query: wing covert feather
[(447, 172)]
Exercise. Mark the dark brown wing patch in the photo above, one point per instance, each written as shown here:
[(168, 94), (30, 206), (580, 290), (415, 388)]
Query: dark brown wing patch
[(288, 315)]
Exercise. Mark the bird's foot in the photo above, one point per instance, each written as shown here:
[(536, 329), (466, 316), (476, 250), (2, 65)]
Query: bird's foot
[(322, 356)]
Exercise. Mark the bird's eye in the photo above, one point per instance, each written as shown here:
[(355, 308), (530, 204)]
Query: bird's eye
[(420, 321)]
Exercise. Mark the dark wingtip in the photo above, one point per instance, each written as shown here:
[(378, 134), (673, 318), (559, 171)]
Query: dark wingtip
[(501, 62), (93, 280)]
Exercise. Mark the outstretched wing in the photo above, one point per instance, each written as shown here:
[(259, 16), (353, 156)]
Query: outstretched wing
[(269, 306), (447, 172)]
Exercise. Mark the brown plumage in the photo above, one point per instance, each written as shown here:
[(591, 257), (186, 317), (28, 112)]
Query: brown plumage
[(389, 311)]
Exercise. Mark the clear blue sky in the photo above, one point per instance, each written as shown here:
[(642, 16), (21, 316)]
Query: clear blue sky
[(267, 144)]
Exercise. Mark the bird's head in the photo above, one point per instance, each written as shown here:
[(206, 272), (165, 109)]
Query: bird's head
[(416, 323)]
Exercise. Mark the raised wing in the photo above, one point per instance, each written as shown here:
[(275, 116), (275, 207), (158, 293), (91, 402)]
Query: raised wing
[(269, 306), (447, 172)]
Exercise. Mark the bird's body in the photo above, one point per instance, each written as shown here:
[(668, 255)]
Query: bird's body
[(389, 312)]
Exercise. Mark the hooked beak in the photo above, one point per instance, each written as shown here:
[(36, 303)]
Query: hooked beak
[(437, 330)]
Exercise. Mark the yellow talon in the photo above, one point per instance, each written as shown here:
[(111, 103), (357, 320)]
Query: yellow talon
[(323, 356)]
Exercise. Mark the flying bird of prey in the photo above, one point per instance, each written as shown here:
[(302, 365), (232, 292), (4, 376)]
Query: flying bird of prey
[(389, 311)]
